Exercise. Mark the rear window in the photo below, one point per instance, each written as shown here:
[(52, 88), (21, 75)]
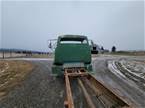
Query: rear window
[(73, 41)]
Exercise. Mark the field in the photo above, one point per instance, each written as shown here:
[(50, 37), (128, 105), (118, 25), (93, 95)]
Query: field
[(12, 73), (130, 53)]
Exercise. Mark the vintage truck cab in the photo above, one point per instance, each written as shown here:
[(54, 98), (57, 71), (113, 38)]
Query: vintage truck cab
[(72, 51)]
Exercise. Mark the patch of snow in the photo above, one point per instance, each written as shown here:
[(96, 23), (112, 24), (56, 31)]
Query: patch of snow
[(6, 66), (138, 74), (112, 67)]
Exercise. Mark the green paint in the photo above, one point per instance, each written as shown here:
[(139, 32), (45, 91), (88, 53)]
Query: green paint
[(72, 49)]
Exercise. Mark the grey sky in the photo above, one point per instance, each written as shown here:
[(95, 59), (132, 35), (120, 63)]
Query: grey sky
[(29, 24)]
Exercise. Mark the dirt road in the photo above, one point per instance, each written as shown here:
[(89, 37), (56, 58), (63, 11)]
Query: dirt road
[(41, 90), (124, 86)]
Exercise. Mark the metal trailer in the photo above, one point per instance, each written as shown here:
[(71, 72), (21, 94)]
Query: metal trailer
[(73, 61)]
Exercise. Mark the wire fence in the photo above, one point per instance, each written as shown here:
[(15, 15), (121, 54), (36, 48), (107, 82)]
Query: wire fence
[(10, 54)]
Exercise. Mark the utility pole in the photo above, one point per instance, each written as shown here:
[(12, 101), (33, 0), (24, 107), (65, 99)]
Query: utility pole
[(3, 54)]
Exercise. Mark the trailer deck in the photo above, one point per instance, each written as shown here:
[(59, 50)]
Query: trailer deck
[(93, 90)]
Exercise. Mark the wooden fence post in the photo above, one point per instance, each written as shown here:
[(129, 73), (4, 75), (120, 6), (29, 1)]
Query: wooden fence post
[(3, 55)]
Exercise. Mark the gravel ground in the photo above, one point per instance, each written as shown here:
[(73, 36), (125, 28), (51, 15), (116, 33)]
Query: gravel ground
[(41, 90)]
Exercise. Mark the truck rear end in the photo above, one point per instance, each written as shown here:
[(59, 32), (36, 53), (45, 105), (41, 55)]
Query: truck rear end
[(72, 51)]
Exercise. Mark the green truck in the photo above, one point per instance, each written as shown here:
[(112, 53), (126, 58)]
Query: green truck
[(72, 51)]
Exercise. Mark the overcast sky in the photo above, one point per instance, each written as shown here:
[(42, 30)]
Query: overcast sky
[(0, 25), (29, 24)]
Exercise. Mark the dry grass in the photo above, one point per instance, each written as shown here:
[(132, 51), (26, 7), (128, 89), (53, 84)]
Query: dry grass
[(128, 53), (11, 74)]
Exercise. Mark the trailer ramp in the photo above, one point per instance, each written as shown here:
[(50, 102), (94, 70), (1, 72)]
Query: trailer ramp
[(90, 86)]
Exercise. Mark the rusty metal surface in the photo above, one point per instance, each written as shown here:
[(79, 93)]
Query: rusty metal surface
[(69, 103), (110, 92), (88, 98), (107, 98), (86, 81), (77, 74)]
